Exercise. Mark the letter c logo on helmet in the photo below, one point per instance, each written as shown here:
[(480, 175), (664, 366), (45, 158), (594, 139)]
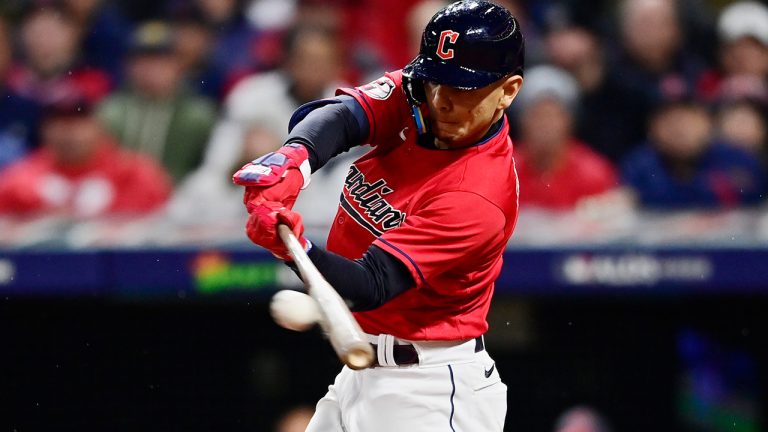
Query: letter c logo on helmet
[(451, 36), (469, 44)]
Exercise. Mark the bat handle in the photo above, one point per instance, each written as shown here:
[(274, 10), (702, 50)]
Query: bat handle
[(296, 250)]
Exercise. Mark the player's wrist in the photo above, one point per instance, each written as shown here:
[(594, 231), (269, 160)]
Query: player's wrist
[(299, 155), (305, 169)]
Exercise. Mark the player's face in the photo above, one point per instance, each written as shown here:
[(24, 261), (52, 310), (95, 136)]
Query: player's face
[(459, 118)]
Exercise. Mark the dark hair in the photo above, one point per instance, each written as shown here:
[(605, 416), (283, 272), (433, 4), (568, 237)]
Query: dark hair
[(34, 8)]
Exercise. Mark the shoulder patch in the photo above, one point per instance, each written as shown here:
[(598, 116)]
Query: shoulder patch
[(379, 89)]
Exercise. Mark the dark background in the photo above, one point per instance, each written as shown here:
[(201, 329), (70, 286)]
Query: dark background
[(189, 365)]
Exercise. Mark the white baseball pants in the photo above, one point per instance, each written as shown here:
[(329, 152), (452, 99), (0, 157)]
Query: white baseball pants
[(452, 389)]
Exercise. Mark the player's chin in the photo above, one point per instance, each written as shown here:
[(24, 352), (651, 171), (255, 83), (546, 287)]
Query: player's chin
[(453, 140), (450, 136)]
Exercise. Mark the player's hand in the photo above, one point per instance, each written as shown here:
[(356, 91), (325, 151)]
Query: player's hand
[(262, 227), (276, 176)]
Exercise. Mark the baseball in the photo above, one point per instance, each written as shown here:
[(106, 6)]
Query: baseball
[(294, 310)]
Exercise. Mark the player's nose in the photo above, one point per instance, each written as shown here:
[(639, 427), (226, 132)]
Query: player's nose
[(441, 97)]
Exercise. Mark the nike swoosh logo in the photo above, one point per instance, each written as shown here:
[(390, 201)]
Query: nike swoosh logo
[(490, 371)]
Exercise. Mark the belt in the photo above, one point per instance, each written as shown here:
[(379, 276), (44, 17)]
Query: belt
[(407, 355)]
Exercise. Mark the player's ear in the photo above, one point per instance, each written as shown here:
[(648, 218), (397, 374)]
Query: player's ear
[(510, 87)]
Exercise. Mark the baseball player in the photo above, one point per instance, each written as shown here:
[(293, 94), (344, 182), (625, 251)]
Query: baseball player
[(422, 223)]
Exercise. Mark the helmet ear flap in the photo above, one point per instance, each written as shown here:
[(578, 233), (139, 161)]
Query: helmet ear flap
[(414, 90), (417, 99)]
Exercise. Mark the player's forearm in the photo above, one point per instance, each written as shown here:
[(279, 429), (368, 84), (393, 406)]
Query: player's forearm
[(330, 129), (368, 282)]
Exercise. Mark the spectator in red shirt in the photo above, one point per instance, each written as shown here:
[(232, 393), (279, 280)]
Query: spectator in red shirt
[(555, 170), (80, 171)]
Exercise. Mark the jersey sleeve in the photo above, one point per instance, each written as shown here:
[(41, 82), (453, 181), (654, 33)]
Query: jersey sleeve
[(385, 106), (454, 232)]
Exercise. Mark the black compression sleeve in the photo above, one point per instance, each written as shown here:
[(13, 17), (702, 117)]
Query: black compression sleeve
[(368, 282), (330, 129)]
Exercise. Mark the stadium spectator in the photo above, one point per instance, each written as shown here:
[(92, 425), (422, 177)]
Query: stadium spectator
[(80, 171), (606, 121), (18, 115), (744, 124), (555, 170), (155, 114), (682, 166), (651, 64), (194, 44), (105, 34), (743, 30), (50, 40), (581, 419), (743, 56), (256, 118)]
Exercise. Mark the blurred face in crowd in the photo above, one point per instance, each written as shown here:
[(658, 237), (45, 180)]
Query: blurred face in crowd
[(218, 11), (579, 420), (460, 118), (745, 56), (50, 41), (154, 75), (681, 132), (742, 124), (577, 51), (192, 43), (72, 138), (545, 127), (313, 64), (651, 32), (257, 142)]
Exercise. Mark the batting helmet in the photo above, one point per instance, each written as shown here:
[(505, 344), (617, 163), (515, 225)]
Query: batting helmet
[(469, 44)]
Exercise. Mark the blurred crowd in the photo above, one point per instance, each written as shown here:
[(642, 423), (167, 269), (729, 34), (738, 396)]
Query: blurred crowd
[(149, 106)]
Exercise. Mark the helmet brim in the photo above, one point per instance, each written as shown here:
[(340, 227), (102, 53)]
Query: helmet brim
[(440, 72)]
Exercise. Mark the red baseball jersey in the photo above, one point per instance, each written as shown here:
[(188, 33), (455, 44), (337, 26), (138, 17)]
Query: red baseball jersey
[(446, 214)]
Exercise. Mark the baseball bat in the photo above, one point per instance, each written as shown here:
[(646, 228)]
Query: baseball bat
[(347, 338)]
